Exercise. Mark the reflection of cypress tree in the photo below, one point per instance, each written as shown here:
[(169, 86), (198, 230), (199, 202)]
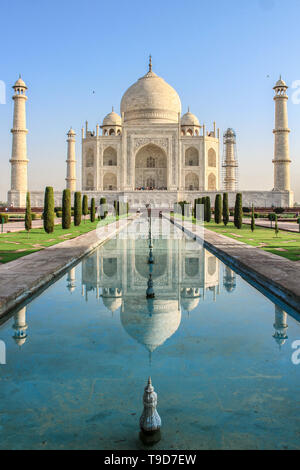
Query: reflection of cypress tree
[(48, 214), (77, 208), (225, 209), (66, 209), (28, 220), (93, 209), (218, 209), (238, 211)]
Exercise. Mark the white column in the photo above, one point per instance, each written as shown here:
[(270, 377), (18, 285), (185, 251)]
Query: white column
[(19, 161), (281, 139), (71, 161)]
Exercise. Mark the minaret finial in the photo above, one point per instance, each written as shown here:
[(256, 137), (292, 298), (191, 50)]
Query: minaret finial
[(150, 63)]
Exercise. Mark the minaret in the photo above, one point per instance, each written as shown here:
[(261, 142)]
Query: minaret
[(19, 161), (281, 145), (230, 164), (20, 326), (71, 280), (71, 161), (280, 326)]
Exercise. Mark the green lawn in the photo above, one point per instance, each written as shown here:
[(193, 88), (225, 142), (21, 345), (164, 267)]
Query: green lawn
[(17, 244), (287, 244)]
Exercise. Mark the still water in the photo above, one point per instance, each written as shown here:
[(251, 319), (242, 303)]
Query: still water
[(218, 351)]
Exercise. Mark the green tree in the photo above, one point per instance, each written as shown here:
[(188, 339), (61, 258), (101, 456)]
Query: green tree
[(48, 214), (77, 208), (66, 209), (225, 209), (252, 219), (218, 209), (207, 209), (28, 218), (93, 209), (238, 211), (85, 206), (276, 226), (272, 218), (102, 208)]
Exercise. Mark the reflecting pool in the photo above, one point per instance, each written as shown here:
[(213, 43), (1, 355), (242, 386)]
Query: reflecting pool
[(219, 353)]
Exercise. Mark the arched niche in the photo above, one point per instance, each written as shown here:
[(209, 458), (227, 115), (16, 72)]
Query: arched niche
[(191, 157), (151, 168), (109, 182), (212, 158), (89, 162), (191, 182), (212, 182), (89, 182), (110, 157)]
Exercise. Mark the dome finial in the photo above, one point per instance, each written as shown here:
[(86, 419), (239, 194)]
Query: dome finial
[(188, 109), (150, 63), (112, 109)]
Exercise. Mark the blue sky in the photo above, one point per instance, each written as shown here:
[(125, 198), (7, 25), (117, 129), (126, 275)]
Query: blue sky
[(222, 57)]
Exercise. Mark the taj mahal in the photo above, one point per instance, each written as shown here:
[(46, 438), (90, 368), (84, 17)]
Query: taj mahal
[(152, 154)]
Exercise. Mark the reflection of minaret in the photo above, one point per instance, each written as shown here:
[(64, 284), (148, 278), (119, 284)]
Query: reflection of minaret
[(71, 280), (280, 326), (20, 327), (229, 279)]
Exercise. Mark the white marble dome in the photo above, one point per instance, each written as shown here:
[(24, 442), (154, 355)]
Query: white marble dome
[(151, 99), (189, 119), (112, 119), (20, 83)]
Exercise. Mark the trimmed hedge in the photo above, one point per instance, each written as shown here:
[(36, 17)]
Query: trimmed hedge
[(48, 214), (66, 212), (77, 208)]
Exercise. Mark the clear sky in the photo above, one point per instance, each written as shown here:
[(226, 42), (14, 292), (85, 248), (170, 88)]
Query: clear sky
[(222, 57)]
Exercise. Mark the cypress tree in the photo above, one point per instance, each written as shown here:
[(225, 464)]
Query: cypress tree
[(207, 209), (225, 209), (218, 209), (48, 214), (238, 211), (103, 207), (77, 208), (28, 218), (252, 219), (276, 226), (85, 206), (66, 209), (93, 210)]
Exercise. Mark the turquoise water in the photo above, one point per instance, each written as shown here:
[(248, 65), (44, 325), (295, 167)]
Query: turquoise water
[(218, 351)]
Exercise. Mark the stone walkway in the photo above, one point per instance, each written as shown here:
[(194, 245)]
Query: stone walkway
[(23, 277), (277, 275)]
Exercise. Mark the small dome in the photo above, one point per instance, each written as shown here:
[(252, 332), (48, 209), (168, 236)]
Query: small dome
[(20, 84), (112, 119), (112, 303), (230, 133), (189, 119), (280, 83), (71, 132), (189, 304)]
